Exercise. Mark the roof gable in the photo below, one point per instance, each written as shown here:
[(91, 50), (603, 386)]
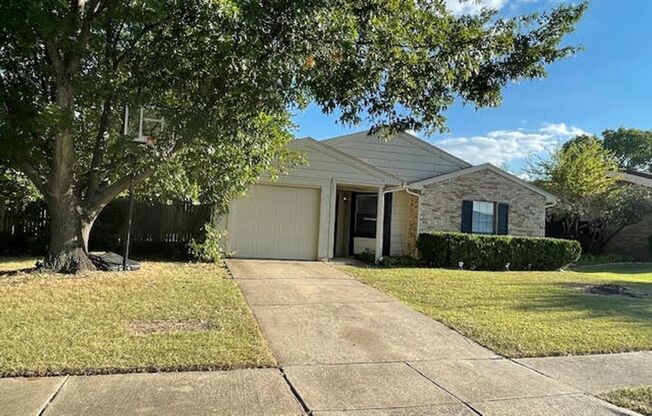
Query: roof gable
[(550, 198), (404, 155), (357, 164)]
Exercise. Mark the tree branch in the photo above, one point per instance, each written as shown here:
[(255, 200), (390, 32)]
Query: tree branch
[(100, 148), (95, 203), (32, 174), (55, 58), (99, 200)]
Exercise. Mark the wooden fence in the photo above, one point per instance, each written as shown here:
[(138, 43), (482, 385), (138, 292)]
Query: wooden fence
[(157, 229)]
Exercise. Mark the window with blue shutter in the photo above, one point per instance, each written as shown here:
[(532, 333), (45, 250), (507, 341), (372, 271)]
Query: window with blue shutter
[(502, 225), (467, 216)]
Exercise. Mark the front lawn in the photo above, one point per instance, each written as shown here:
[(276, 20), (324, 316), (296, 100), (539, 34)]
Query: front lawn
[(526, 314), (638, 399), (165, 317)]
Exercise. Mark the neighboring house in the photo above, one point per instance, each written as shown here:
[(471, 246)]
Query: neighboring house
[(360, 193), (632, 241)]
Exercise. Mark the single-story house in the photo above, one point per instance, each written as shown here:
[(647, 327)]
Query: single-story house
[(360, 193), (632, 240)]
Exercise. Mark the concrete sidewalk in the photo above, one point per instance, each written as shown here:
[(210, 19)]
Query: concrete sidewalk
[(344, 349), (348, 349), (238, 392)]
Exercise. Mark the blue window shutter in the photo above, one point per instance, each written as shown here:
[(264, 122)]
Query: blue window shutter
[(467, 216), (503, 219)]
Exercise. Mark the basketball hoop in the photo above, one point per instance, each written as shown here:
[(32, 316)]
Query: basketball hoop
[(143, 126)]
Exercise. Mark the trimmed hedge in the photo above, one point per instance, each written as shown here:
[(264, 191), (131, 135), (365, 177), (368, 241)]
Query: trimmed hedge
[(493, 252)]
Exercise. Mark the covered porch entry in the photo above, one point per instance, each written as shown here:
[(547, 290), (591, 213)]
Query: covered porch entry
[(362, 213)]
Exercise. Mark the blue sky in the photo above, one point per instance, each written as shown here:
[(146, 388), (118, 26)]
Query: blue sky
[(608, 85)]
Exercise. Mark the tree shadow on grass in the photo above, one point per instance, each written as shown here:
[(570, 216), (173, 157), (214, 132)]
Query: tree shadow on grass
[(575, 297), (17, 272), (616, 268)]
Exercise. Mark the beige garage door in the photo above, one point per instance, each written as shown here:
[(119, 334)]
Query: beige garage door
[(275, 222)]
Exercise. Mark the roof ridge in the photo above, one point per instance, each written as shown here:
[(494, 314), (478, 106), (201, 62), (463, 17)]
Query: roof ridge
[(416, 140)]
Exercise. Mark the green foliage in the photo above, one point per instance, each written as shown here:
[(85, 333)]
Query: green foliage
[(626, 204), (578, 170), (593, 204), (631, 147), (16, 191), (400, 261), (388, 261), (225, 74), (482, 252), (366, 256), (210, 250)]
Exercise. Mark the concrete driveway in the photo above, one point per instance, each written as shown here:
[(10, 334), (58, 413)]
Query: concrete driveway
[(347, 349)]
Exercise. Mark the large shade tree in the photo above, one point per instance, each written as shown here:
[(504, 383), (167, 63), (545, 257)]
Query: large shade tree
[(224, 74), (594, 206), (631, 147)]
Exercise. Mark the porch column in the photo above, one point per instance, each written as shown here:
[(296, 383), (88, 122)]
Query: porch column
[(380, 214)]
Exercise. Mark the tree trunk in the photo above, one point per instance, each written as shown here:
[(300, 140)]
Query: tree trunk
[(67, 251), (86, 227)]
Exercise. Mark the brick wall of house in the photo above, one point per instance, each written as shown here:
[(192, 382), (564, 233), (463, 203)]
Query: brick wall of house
[(441, 203), (413, 216), (631, 241)]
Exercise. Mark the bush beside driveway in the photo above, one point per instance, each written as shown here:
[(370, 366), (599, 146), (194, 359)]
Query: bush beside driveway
[(529, 314), (165, 317)]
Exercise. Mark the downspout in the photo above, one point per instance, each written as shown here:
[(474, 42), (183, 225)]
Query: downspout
[(418, 195)]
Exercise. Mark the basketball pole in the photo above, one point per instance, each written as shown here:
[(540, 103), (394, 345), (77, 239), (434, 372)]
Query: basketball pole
[(149, 139), (129, 217)]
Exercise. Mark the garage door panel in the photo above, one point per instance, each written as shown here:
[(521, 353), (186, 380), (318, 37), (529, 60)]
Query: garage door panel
[(275, 222)]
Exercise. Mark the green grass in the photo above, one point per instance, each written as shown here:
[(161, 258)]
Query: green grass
[(526, 314), (638, 399), (53, 324), (12, 264)]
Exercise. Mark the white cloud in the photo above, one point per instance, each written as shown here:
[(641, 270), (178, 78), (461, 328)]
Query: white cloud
[(461, 7), (502, 147), (523, 175), (561, 129)]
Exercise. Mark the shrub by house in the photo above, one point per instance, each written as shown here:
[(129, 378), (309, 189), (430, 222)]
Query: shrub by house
[(491, 252)]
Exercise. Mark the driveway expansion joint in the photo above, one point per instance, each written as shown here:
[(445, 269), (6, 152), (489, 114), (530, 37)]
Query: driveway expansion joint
[(295, 393), (54, 395)]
